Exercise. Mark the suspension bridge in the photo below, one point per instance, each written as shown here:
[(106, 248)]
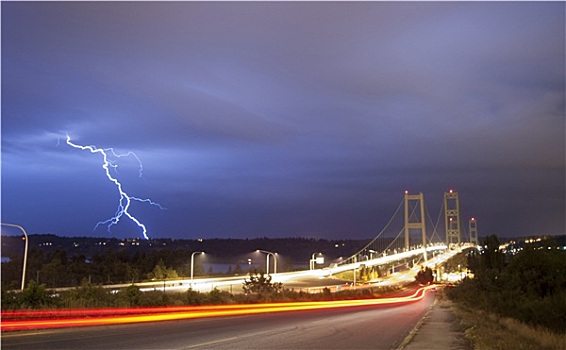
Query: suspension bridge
[(409, 239), (412, 238), (413, 228)]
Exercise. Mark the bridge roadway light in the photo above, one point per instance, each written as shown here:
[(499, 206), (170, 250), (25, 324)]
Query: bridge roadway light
[(267, 260), (371, 252), (25, 250), (193, 263)]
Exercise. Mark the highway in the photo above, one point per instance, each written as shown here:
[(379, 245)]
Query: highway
[(361, 327), (309, 280)]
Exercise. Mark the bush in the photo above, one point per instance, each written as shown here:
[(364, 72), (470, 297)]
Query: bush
[(424, 276), (133, 295), (531, 288), (216, 297), (88, 296), (34, 296), (193, 297), (260, 284)]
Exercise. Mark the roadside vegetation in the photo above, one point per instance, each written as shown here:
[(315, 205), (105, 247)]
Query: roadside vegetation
[(60, 262), (257, 288), (514, 301)]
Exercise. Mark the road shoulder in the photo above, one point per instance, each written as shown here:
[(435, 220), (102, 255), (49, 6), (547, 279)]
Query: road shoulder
[(438, 329)]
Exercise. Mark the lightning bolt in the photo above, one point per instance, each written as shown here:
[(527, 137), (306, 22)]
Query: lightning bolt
[(125, 199)]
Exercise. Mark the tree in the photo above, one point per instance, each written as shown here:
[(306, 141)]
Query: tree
[(35, 296), (424, 276), (54, 273), (171, 273), (530, 288), (134, 295), (259, 283), (161, 272), (492, 258), (538, 273)]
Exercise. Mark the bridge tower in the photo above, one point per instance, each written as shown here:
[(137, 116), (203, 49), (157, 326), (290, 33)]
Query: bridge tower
[(452, 217), (474, 231), (411, 222)]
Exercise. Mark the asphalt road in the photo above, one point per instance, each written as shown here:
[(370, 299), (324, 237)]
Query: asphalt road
[(376, 327)]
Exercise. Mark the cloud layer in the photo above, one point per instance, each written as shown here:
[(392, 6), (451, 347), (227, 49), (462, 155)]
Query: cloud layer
[(286, 118)]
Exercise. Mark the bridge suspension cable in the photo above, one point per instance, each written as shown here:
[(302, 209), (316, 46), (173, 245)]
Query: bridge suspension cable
[(372, 244), (383, 245), (435, 227)]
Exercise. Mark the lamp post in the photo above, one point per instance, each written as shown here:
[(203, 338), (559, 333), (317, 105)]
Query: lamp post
[(319, 260), (311, 265), (193, 263), (25, 251), (371, 252), (267, 260)]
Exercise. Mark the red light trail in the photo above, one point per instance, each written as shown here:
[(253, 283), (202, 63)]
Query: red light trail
[(41, 319)]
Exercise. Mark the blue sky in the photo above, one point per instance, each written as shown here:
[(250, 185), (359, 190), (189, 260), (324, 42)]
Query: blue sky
[(283, 119)]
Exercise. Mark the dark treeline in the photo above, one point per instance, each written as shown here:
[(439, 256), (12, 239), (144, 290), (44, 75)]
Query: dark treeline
[(529, 286), (296, 249), (69, 261)]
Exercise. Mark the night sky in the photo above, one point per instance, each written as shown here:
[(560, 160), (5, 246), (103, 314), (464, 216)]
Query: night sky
[(284, 119)]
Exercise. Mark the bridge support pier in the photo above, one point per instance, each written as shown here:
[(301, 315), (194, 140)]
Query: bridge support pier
[(452, 217), (411, 222), (473, 231)]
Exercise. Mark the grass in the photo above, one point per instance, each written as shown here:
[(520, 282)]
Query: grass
[(488, 331)]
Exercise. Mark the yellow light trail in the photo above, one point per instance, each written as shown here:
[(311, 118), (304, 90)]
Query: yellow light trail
[(98, 317)]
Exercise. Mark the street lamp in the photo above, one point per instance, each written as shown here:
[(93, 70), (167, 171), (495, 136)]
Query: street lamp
[(371, 252), (267, 260), (25, 250), (319, 260), (193, 263)]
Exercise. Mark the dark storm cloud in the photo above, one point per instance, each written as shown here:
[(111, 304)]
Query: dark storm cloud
[(293, 118)]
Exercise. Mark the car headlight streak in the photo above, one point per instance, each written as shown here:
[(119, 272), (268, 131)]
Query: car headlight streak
[(23, 320)]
